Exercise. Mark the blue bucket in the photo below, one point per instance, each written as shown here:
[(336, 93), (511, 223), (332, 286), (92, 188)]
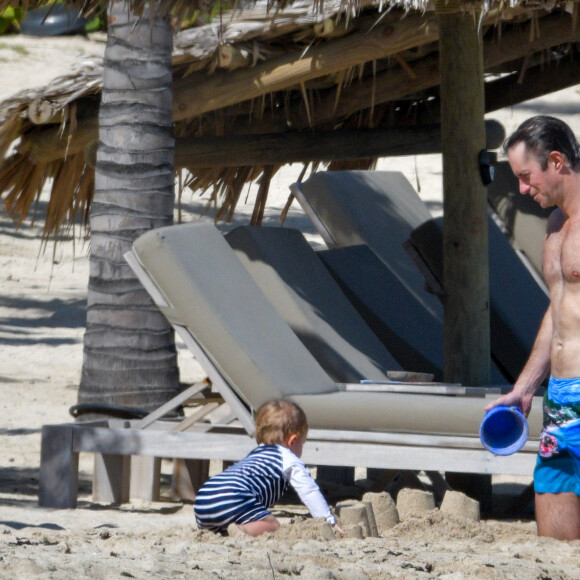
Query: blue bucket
[(504, 430)]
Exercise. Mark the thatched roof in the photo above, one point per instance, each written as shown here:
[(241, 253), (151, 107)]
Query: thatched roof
[(363, 65)]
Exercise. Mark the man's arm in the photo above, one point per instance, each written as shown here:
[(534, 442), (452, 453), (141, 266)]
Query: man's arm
[(534, 372)]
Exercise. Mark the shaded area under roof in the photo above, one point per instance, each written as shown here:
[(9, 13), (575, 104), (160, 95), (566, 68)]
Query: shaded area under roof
[(312, 86)]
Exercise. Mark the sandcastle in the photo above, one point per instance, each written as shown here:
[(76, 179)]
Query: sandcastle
[(378, 512)]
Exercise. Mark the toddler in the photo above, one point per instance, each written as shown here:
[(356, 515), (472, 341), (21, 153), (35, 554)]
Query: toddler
[(243, 493)]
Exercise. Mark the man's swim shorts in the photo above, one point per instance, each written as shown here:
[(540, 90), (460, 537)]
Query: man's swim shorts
[(558, 466)]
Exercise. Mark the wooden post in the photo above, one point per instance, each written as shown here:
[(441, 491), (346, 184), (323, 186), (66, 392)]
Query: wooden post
[(111, 478), (465, 246), (188, 476), (59, 468), (145, 478)]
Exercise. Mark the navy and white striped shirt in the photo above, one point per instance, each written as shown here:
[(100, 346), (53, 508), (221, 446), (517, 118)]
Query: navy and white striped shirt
[(244, 492)]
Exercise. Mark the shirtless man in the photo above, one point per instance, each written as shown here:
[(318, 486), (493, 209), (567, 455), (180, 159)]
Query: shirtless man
[(544, 155)]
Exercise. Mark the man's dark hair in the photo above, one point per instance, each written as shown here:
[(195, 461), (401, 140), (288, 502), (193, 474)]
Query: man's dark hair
[(543, 134)]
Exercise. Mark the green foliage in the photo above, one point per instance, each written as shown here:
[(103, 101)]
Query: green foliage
[(98, 21), (198, 18), (9, 19), (95, 24)]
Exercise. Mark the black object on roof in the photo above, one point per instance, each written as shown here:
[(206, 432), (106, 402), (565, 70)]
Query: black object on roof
[(54, 20)]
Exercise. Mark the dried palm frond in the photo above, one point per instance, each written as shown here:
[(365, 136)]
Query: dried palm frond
[(249, 34)]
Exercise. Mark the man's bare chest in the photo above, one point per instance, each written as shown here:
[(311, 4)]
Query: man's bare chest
[(562, 255)]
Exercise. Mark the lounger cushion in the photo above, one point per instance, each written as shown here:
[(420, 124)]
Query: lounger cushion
[(403, 412), (411, 332), (296, 282), (381, 210), (376, 208), (210, 292), (517, 302)]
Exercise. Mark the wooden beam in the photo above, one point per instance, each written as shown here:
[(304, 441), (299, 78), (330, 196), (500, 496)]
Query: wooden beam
[(198, 94), (509, 91), (538, 81), (396, 83), (465, 254), (280, 148)]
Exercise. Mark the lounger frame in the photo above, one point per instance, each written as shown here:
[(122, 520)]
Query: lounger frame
[(116, 442)]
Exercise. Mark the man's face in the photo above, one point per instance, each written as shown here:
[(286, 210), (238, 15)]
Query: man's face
[(533, 181)]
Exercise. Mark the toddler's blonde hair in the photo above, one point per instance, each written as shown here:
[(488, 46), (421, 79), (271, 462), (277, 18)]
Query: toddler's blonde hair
[(278, 419)]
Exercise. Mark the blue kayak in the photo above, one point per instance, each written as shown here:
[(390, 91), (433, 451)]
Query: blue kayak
[(54, 20)]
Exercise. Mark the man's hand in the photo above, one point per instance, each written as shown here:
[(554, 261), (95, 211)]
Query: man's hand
[(514, 399)]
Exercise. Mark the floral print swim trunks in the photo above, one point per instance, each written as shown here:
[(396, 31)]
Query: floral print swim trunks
[(558, 466)]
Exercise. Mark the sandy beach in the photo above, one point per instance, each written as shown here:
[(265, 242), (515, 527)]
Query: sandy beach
[(42, 318)]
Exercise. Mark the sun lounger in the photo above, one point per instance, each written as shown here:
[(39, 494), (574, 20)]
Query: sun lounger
[(253, 348), (366, 218), (375, 208), (251, 355), (295, 281), (517, 302), (337, 200)]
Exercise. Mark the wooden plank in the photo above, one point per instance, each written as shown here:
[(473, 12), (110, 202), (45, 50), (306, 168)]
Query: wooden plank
[(186, 423), (161, 443), (221, 426), (394, 84), (59, 468), (539, 80), (393, 438), (200, 93), (340, 451), (217, 380), (406, 439), (416, 458), (174, 444), (170, 405)]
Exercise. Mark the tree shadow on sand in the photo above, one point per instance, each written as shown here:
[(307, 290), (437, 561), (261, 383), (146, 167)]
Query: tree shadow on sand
[(19, 486), (55, 313)]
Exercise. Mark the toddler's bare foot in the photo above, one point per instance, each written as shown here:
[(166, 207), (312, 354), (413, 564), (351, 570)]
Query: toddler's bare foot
[(235, 531)]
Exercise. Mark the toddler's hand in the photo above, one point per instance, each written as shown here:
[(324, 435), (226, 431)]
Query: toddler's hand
[(338, 529)]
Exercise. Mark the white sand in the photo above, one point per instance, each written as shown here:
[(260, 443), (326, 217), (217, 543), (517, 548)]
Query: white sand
[(42, 298)]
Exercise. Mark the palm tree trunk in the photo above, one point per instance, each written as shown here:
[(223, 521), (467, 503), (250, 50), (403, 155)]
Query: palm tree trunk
[(129, 350)]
